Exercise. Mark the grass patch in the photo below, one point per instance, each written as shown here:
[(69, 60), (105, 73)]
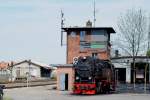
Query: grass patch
[(7, 98)]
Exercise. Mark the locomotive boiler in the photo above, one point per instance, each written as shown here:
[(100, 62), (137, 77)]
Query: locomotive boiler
[(93, 76)]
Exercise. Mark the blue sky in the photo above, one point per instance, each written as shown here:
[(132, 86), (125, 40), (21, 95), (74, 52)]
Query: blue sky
[(30, 29)]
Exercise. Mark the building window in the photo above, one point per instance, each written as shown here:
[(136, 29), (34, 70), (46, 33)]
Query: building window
[(99, 35), (96, 40), (83, 42), (73, 34), (82, 36), (99, 39), (94, 55)]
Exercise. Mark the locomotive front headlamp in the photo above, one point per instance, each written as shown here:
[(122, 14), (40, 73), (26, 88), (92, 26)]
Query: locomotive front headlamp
[(77, 78), (84, 57), (90, 78)]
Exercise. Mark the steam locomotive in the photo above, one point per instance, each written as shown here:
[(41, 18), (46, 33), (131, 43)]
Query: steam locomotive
[(93, 76)]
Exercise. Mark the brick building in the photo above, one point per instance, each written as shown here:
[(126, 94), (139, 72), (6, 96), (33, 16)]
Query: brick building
[(83, 41), (4, 72), (3, 65)]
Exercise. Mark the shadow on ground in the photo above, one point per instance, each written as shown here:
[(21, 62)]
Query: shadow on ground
[(129, 88)]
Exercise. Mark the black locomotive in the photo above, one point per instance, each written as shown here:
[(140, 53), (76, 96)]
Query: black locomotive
[(93, 75)]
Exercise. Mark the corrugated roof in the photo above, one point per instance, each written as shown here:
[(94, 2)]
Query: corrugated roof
[(34, 63)]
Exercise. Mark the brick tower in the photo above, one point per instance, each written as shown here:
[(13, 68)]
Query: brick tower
[(88, 41)]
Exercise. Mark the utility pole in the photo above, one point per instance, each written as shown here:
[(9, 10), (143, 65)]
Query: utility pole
[(149, 39), (62, 25), (29, 72), (11, 69), (94, 17), (149, 35), (29, 69), (148, 48)]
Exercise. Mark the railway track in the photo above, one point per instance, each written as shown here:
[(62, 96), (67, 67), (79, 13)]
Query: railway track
[(29, 84)]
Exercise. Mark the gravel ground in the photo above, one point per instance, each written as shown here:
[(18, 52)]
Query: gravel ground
[(47, 93)]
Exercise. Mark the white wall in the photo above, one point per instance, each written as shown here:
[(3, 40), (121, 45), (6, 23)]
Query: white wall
[(128, 74), (128, 70), (128, 67), (24, 68), (35, 71)]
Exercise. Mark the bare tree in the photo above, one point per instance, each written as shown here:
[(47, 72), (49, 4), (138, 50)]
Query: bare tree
[(133, 31)]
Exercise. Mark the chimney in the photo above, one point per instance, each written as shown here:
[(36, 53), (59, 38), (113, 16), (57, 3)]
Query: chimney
[(88, 23)]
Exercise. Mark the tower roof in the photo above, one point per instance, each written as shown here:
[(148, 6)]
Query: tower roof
[(108, 29)]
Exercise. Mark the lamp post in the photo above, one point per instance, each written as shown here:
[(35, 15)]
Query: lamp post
[(11, 68), (27, 73), (29, 69)]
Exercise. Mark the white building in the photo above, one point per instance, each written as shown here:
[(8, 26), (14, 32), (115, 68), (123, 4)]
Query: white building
[(31, 69), (125, 70)]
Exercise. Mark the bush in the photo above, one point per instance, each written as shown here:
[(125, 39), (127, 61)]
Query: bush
[(148, 53)]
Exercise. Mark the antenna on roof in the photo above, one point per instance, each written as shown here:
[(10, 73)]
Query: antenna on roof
[(62, 25), (94, 11)]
